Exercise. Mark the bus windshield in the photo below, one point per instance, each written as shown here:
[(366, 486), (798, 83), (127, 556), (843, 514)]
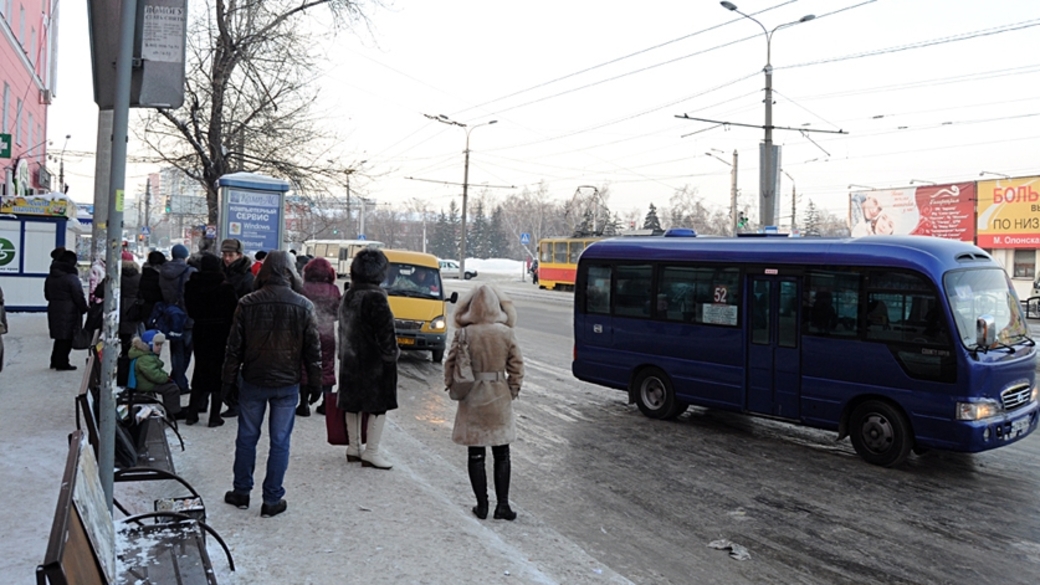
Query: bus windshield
[(408, 280), (974, 293)]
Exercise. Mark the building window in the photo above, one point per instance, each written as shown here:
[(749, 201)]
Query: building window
[(7, 105), (18, 122), (1025, 264)]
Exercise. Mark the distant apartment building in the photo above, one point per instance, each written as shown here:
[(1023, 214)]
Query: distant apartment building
[(28, 49)]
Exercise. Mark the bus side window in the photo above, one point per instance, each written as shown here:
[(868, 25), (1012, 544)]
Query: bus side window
[(830, 303), (632, 292), (545, 256), (575, 251), (560, 252), (597, 290)]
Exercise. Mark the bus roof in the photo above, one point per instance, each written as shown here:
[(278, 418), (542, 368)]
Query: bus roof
[(934, 255), (409, 257)]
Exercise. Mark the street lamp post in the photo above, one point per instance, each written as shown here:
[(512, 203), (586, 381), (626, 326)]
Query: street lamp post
[(984, 173), (769, 162), (61, 165), (465, 183)]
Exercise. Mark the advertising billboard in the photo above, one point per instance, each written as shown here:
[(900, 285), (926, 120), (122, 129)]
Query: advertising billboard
[(1009, 213), (941, 211)]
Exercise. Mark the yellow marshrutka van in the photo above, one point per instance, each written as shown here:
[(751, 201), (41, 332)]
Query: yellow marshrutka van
[(417, 300)]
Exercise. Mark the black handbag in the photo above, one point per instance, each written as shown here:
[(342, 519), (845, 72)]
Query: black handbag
[(135, 311), (85, 336)]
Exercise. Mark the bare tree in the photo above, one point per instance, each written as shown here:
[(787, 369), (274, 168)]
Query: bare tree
[(248, 94)]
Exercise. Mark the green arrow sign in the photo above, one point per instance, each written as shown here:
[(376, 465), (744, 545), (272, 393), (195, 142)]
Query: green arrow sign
[(5, 146)]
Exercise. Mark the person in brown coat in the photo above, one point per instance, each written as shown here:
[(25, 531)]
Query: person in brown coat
[(485, 414)]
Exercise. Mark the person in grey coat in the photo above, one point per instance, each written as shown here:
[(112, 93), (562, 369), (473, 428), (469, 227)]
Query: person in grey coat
[(368, 355), (66, 305)]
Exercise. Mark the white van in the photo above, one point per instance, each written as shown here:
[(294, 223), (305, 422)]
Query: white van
[(450, 269)]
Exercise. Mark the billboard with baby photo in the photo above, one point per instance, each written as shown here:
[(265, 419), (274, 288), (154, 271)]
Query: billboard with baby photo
[(942, 211)]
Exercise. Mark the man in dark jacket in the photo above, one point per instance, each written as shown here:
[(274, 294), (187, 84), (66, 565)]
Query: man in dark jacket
[(173, 275), (273, 337), (148, 287), (211, 303), (65, 307), (237, 267), (129, 316)]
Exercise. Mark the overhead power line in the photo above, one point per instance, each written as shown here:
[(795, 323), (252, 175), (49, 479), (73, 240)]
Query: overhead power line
[(922, 44)]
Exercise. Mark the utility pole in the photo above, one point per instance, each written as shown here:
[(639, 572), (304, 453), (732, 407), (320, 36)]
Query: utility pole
[(733, 193), (147, 214), (465, 183)]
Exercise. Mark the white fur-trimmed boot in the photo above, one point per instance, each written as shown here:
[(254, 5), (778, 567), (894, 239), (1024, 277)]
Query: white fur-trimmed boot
[(372, 457), (353, 436)]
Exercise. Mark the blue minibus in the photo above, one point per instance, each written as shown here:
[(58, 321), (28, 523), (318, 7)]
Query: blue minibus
[(899, 343)]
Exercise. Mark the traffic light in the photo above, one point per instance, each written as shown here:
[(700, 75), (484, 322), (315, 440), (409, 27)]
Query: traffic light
[(167, 204), (742, 220)]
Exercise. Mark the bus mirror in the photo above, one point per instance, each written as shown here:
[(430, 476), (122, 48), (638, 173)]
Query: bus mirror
[(454, 297), (985, 331)]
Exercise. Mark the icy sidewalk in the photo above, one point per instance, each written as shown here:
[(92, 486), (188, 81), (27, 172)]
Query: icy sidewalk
[(344, 524)]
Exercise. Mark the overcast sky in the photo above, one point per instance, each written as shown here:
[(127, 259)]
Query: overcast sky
[(587, 93)]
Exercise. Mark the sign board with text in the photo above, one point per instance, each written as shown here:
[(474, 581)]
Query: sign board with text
[(1009, 213), (157, 79), (252, 210), (941, 211)]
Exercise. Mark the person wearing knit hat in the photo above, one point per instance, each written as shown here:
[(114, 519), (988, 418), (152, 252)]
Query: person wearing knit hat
[(149, 375), (173, 275), (237, 267)]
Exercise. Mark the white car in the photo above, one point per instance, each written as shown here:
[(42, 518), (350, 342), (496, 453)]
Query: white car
[(450, 269)]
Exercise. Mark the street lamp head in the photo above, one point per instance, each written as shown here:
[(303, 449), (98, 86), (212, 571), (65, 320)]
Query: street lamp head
[(492, 122), (807, 18), (728, 5)]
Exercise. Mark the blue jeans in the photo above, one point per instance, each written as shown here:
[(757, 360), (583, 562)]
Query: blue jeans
[(252, 402), (180, 358)]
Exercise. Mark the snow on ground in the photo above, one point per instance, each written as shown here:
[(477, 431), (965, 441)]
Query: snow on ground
[(496, 266)]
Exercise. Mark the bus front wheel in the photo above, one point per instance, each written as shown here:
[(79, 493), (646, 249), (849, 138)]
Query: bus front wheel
[(880, 433), (655, 395), (437, 355)]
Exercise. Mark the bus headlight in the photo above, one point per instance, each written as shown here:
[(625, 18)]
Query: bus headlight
[(438, 324), (978, 410)]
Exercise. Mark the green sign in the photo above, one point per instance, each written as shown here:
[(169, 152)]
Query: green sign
[(8, 253), (5, 146)]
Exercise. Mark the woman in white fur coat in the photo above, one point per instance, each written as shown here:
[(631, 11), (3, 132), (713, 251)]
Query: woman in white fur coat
[(485, 414)]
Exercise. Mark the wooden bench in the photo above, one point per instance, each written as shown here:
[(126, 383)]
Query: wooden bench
[(87, 546), (152, 446)]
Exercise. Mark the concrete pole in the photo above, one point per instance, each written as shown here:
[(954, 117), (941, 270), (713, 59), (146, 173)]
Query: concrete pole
[(767, 198)]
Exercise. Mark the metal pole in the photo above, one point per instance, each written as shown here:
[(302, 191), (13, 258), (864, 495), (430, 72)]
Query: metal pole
[(794, 206), (147, 213), (465, 191), (348, 230), (114, 229), (733, 193)]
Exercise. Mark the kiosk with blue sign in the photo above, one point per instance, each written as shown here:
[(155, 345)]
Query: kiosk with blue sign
[(252, 210)]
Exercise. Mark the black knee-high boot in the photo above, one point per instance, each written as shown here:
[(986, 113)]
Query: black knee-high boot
[(502, 470), (478, 479)]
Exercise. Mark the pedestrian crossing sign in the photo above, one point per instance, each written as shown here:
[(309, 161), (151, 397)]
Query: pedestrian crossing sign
[(525, 238)]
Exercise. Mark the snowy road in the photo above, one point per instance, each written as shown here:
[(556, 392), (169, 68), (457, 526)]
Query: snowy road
[(645, 497)]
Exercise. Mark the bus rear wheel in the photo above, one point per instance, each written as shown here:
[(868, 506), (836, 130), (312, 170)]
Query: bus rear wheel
[(880, 433), (655, 395)]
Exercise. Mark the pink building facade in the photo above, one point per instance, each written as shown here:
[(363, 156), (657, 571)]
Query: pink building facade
[(28, 49)]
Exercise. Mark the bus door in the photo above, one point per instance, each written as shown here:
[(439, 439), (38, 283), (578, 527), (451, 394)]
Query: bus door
[(774, 345)]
